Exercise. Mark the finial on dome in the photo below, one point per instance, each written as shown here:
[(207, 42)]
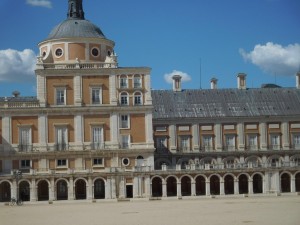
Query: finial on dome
[(75, 10)]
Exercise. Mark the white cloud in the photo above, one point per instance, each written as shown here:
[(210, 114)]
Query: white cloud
[(274, 58), (40, 3), (17, 66), (185, 76)]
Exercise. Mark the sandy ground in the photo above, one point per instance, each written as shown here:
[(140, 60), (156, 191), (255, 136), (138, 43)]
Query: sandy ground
[(282, 210)]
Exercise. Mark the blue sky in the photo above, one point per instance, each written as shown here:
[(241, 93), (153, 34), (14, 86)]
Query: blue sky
[(258, 37)]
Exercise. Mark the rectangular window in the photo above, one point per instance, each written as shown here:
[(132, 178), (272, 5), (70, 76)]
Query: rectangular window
[(207, 141), (125, 141), (61, 138), (275, 141), (123, 82), (230, 142), (185, 143), (161, 143), (124, 121), (252, 142), (97, 142), (296, 140), (25, 164), (124, 99), (60, 96), (61, 162), (25, 144), (137, 82), (96, 95), (98, 162)]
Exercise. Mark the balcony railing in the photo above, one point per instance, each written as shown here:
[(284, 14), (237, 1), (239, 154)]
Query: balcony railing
[(274, 147), (295, 146), (207, 148), (25, 104), (77, 65), (184, 149), (25, 148), (61, 147), (97, 146), (229, 148), (252, 148)]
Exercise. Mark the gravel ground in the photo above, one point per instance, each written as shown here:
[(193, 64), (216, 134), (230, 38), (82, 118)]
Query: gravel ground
[(281, 210)]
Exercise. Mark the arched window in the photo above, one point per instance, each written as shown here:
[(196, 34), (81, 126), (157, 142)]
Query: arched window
[(138, 98), (123, 82), (137, 81), (124, 98)]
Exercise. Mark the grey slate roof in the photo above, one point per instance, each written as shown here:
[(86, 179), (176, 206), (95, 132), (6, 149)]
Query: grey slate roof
[(226, 103), (19, 99), (71, 28)]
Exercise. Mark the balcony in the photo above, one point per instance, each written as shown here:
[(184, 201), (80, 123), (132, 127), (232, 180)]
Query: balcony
[(184, 149), (25, 148)]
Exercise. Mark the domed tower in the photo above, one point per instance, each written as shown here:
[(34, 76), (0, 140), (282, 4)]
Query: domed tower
[(75, 39)]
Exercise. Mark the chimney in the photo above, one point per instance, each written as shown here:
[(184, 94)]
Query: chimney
[(16, 94), (298, 80), (177, 83), (213, 83), (241, 79)]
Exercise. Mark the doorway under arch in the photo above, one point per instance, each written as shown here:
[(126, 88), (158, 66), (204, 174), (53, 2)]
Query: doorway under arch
[(80, 189), (61, 190), (43, 191), (171, 187), (186, 186), (229, 185), (200, 186), (5, 192), (214, 185), (99, 189), (297, 182), (257, 184), (156, 187), (285, 182), (243, 184), (24, 191)]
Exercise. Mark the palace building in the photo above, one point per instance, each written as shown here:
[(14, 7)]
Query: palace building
[(97, 131)]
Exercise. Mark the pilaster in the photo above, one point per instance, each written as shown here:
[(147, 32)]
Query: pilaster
[(148, 98), (179, 189), (77, 90), (285, 136), (236, 186), (263, 136), (43, 131), (78, 123), (71, 189), (51, 189), (241, 136), (196, 135), (41, 89), (114, 134), (113, 90), (164, 189), (207, 188), (172, 133), (90, 189), (33, 189), (149, 129), (6, 132), (218, 139)]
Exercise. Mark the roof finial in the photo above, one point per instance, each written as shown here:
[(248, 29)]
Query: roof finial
[(75, 10)]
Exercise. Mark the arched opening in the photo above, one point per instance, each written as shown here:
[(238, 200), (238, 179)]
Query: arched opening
[(214, 185), (285, 183), (171, 187), (257, 184), (243, 184), (200, 186), (5, 192), (140, 161), (297, 182), (99, 189), (43, 191), (229, 185), (80, 189), (24, 191), (62, 190), (156, 187), (186, 186)]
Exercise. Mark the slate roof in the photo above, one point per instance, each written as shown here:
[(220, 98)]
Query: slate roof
[(71, 28), (220, 103), (19, 99)]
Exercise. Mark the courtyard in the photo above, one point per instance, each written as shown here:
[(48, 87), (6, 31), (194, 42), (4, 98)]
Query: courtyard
[(281, 210)]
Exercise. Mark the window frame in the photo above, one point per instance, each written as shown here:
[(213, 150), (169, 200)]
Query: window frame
[(98, 162), (139, 83), (27, 164), (138, 95), (125, 144), (92, 89), (60, 164), (100, 144), (124, 99), (123, 82), (25, 145), (61, 146), (122, 122), (58, 101)]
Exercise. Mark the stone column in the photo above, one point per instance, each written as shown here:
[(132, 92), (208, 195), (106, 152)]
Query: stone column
[(108, 193), (43, 132), (136, 187), (218, 139), (149, 129), (41, 90), (222, 187), (241, 136), (193, 188), (51, 189), (236, 186), (90, 189), (33, 192), (122, 185), (148, 98), (6, 132), (285, 136), (263, 136), (179, 189), (113, 90), (173, 137), (164, 189), (148, 188), (207, 188), (71, 189), (78, 124), (293, 184), (114, 130), (14, 189), (196, 136), (77, 90), (250, 186)]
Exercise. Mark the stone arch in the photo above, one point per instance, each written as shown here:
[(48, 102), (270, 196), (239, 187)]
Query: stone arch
[(156, 186), (285, 182), (99, 188), (61, 187), (297, 181), (80, 185), (43, 190), (230, 161), (171, 186), (200, 184), (243, 179), (24, 190), (229, 184), (295, 159), (257, 179), (5, 191), (215, 184), (275, 160), (208, 160), (255, 161), (186, 185)]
